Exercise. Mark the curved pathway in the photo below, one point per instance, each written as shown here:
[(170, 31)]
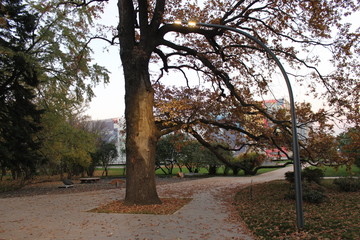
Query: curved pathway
[(65, 216)]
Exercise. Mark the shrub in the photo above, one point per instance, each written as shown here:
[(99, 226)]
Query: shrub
[(312, 175), (312, 193), (348, 184), (290, 177), (308, 174), (357, 162)]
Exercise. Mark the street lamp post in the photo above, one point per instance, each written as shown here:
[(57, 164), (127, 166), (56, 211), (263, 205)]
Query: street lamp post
[(297, 165)]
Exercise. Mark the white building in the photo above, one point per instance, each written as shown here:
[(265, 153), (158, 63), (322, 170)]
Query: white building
[(113, 131)]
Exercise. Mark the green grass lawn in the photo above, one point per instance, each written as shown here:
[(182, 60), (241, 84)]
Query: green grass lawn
[(270, 216), (204, 171), (329, 171), (119, 172), (113, 172), (340, 171)]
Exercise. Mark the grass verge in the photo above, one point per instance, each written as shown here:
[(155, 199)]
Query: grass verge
[(120, 172), (270, 216), (168, 206), (341, 171)]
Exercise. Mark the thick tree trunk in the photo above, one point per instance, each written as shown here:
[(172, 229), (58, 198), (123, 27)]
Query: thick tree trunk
[(141, 133)]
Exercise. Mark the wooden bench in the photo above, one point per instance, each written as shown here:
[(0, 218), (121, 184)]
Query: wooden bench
[(89, 180)]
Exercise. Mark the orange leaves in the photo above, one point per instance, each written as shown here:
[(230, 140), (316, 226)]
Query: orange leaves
[(179, 104), (349, 144)]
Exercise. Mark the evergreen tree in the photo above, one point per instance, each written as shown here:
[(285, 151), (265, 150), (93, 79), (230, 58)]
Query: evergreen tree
[(19, 116)]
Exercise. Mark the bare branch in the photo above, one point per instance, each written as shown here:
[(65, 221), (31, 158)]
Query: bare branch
[(163, 58), (81, 4), (111, 42), (231, 127)]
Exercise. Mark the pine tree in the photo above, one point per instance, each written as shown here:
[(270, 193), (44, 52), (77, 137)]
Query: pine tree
[(19, 115)]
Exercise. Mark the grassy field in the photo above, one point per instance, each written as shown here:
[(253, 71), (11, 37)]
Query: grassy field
[(270, 216), (329, 171), (113, 172), (119, 172), (340, 171)]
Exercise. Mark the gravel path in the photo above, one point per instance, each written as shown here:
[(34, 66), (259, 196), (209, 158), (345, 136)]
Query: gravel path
[(65, 216)]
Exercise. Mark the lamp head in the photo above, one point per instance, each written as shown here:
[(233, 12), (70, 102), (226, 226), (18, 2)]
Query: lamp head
[(192, 23), (188, 23)]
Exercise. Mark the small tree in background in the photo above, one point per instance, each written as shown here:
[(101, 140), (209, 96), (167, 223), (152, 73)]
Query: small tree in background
[(249, 162), (180, 150), (104, 155), (168, 152), (67, 144), (349, 144)]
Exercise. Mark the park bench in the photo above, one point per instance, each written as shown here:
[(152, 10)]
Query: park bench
[(89, 180)]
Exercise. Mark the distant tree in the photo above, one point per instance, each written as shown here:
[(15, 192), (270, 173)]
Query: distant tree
[(105, 154), (349, 144), (321, 148), (192, 156), (195, 156), (178, 149), (105, 141), (67, 144), (249, 162), (20, 75), (168, 152)]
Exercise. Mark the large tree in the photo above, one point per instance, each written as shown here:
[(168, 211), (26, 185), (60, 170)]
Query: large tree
[(234, 73), (236, 69), (19, 75)]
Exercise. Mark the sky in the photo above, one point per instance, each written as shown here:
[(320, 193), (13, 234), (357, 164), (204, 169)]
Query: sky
[(109, 100)]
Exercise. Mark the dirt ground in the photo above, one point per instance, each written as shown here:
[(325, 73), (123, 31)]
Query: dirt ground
[(58, 213)]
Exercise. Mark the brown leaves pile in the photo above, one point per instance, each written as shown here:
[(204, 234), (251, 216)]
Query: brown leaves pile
[(168, 206), (269, 215)]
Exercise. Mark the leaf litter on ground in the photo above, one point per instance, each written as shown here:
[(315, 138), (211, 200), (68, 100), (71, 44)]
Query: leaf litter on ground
[(169, 206)]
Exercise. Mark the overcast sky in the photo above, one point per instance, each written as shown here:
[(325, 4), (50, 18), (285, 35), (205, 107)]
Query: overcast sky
[(109, 100)]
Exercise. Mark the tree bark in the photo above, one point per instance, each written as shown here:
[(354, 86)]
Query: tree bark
[(136, 47), (141, 132)]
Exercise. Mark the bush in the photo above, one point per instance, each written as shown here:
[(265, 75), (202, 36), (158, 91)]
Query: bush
[(290, 177), (312, 175), (357, 162), (308, 174), (348, 184), (312, 193)]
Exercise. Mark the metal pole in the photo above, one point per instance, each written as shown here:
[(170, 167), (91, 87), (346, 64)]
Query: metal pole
[(296, 156)]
